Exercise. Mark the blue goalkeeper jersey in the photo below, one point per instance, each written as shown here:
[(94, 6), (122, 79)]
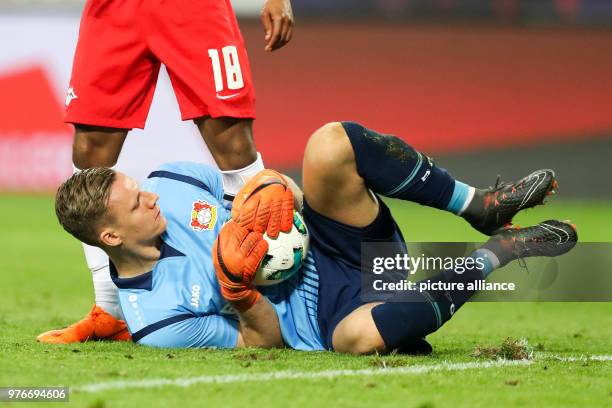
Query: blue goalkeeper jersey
[(179, 303)]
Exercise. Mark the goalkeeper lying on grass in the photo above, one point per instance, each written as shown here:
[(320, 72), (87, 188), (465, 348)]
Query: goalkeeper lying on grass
[(186, 281)]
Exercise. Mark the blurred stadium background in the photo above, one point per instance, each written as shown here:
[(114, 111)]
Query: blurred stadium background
[(486, 87)]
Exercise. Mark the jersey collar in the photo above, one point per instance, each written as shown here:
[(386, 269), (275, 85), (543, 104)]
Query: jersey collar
[(144, 281)]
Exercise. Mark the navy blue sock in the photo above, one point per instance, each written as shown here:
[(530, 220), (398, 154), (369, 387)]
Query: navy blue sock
[(413, 315), (392, 168)]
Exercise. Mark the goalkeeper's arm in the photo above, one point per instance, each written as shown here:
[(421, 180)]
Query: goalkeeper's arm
[(259, 326), (237, 254)]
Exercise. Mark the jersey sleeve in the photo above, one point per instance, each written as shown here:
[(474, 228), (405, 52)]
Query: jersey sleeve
[(212, 331), (208, 176)]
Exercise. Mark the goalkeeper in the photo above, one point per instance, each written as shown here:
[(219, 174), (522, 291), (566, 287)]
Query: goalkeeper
[(184, 265)]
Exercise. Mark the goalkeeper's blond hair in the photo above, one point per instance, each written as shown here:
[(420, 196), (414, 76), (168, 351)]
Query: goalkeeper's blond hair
[(81, 203)]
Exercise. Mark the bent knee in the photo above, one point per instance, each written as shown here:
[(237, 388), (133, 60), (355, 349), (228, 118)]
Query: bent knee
[(328, 148), (357, 334), (356, 340)]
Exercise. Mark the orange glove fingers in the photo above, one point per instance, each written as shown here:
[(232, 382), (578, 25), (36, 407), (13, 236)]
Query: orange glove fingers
[(274, 205), (281, 214), (286, 222), (254, 214), (237, 253), (226, 253), (249, 243), (254, 259), (270, 211), (262, 179)]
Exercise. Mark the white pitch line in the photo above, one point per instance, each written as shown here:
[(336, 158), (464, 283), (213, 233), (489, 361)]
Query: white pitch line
[(581, 358), (293, 375)]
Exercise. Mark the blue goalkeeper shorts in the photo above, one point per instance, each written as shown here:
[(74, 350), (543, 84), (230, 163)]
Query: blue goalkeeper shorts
[(336, 248)]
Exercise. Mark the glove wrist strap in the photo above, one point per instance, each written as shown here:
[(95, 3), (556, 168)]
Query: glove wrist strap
[(242, 301)]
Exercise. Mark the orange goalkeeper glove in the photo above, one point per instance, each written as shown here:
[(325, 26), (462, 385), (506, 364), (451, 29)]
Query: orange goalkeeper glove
[(265, 204), (237, 254)]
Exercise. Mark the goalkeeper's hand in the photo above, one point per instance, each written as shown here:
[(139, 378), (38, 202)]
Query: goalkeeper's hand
[(265, 204), (237, 254)]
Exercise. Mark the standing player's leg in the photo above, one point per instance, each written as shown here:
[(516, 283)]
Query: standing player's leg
[(211, 77), (230, 141), (112, 85), (335, 186), (96, 146)]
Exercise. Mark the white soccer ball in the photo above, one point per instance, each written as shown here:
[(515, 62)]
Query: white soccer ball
[(285, 254)]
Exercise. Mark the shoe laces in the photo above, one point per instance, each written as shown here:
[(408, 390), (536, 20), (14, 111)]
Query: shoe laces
[(499, 184), (520, 252)]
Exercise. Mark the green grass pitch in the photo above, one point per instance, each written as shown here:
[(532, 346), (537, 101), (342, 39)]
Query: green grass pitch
[(44, 285)]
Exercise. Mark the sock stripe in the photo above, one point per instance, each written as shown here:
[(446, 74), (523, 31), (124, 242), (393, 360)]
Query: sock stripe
[(468, 200), (461, 197), (488, 257), (407, 179)]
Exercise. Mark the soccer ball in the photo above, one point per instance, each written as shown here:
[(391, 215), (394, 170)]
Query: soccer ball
[(285, 254)]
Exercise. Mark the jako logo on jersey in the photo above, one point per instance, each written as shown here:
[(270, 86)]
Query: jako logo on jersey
[(203, 216), (195, 296), (70, 96)]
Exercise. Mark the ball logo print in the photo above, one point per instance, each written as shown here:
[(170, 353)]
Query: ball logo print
[(285, 255), (203, 216)]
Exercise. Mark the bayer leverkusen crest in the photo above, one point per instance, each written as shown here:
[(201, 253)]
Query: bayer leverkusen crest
[(203, 216)]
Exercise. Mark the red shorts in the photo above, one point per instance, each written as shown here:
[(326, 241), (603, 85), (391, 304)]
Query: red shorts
[(122, 44)]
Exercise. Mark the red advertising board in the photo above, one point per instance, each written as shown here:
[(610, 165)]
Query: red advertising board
[(35, 145)]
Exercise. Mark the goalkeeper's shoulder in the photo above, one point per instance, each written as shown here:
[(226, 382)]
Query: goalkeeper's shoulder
[(198, 174), (188, 168)]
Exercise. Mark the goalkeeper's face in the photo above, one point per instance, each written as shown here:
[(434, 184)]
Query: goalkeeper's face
[(134, 218)]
